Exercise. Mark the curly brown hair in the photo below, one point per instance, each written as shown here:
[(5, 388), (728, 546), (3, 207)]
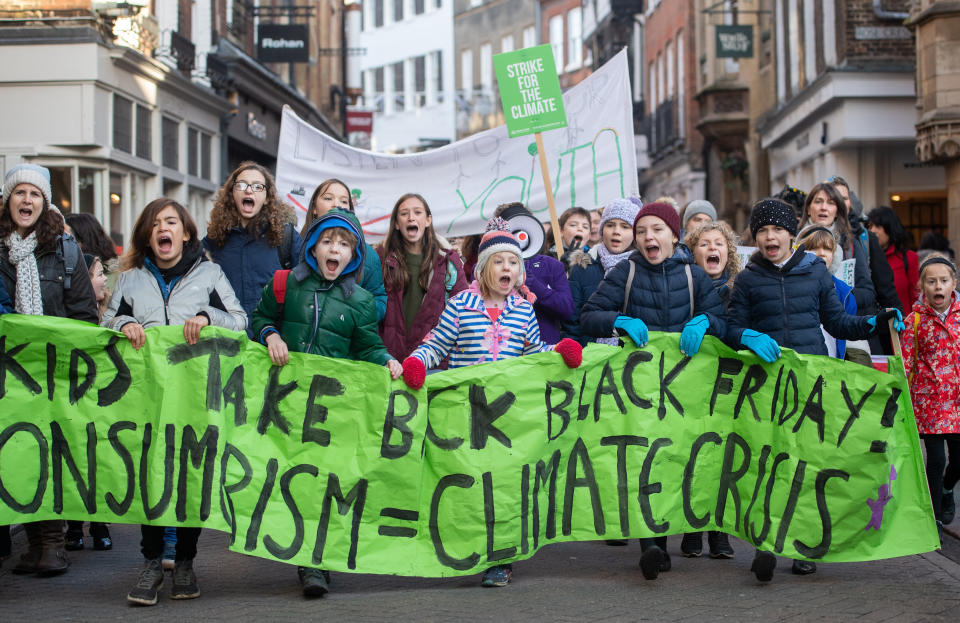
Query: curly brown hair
[(396, 281), (319, 190), (270, 220), (49, 225)]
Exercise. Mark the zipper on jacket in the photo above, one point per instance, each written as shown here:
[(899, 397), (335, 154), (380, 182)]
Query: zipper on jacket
[(166, 299), (316, 321), (783, 300)]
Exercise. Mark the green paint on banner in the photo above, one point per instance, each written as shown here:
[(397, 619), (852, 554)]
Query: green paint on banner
[(329, 462), (530, 90)]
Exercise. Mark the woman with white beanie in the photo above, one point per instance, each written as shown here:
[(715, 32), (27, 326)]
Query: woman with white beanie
[(44, 272)]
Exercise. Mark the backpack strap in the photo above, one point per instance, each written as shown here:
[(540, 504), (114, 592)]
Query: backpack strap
[(690, 287), (280, 285), (280, 279), (626, 287), (286, 248), (69, 252)]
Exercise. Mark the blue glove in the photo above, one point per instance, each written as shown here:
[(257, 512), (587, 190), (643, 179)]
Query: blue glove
[(633, 327), (692, 335), (762, 344), (884, 316)]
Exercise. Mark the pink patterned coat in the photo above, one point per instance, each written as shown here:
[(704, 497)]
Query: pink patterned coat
[(935, 354)]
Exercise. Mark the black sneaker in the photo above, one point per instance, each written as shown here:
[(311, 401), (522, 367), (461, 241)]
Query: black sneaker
[(184, 581), (651, 561), (314, 582), (803, 567), (497, 576), (719, 545), (148, 583), (692, 544), (948, 507), (763, 565)]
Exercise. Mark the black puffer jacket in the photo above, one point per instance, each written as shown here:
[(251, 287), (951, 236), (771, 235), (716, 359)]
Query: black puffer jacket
[(790, 303), (77, 302), (659, 295)]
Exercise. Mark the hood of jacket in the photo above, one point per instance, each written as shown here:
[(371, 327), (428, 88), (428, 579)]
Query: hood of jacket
[(334, 218)]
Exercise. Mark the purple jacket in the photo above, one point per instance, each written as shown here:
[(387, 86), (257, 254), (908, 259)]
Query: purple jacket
[(393, 330), (547, 279)]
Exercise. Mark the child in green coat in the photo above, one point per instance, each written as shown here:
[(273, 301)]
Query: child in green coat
[(324, 312)]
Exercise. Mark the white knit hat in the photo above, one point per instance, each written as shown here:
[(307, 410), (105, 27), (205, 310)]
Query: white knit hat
[(28, 174)]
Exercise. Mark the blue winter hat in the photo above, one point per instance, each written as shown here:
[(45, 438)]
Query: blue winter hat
[(335, 218), (623, 209)]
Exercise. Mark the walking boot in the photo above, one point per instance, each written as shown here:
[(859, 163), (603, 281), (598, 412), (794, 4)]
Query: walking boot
[(101, 536), (30, 558), (74, 540), (54, 559), (719, 545), (692, 544)]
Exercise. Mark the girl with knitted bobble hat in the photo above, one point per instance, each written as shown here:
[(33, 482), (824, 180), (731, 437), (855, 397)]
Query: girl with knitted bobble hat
[(788, 293), (587, 268), (658, 288), (491, 320)]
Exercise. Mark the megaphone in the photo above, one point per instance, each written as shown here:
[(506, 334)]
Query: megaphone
[(526, 228)]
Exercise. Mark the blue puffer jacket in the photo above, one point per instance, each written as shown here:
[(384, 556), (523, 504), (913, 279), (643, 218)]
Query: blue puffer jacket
[(586, 273), (249, 263), (659, 295), (790, 303)]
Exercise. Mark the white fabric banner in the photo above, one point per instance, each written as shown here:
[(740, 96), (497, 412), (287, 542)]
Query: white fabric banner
[(591, 162)]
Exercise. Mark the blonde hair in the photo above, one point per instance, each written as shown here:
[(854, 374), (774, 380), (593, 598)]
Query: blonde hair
[(941, 259), (733, 267), (486, 279)]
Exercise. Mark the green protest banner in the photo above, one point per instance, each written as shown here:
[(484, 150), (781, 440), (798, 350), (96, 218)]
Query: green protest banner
[(329, 462), (529, 90)]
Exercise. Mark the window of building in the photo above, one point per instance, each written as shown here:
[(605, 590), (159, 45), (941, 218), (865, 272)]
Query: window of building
[(398, 89), (652, 87), (669, 68), (436, 74), (192, 159), (122, 124), (661, 91), (378, 13), (529, 37), (419, 6), (466, 72), (378, 86), (681, 91), (398, 10), (476, 2), (420, 80), (486, 67), (144, 133), (556, 40), (206, 154), (506, 44), (574, 39), (170, 143)]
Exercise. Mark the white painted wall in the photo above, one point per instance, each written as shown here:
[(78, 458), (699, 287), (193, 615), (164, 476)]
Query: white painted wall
[(414, 36)]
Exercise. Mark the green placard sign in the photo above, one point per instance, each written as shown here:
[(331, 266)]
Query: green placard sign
[(327, 462), (530, 90), (734, 41)]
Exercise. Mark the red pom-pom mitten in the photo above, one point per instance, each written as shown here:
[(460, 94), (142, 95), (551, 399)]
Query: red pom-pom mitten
[(570, 350), (414, 372)]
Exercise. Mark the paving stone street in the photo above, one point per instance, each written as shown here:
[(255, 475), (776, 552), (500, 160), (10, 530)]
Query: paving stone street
[(588, 581)]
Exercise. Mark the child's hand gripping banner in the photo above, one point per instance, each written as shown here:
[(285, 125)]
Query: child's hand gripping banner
[(329, 463)]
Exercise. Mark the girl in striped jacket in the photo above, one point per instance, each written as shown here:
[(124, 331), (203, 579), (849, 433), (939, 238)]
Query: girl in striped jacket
[(491, 320)]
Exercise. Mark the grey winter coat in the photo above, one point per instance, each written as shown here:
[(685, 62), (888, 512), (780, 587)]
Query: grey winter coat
[(138, 297)]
